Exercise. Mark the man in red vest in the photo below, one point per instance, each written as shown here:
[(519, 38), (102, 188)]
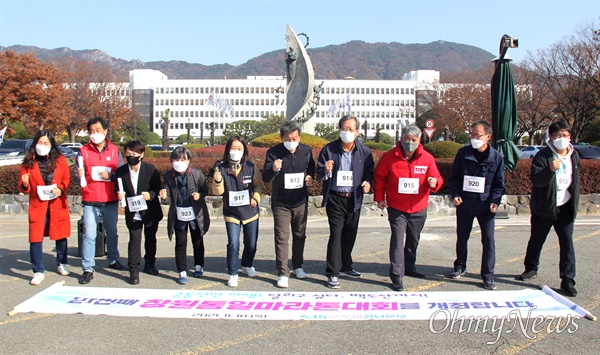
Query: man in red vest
[(100, 160)]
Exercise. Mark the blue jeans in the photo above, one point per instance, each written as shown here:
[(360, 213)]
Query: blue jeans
[(233, 245), (36, 253), (109, 213)]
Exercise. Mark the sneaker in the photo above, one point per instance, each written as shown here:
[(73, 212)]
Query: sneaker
[(489, 284), (456, 273), (249, 271), (116, 265), (397, 286), (233, 281), (333, 282), (62, 270), (37, 279), (300, 274), (199, 271), (86, 277), (352, 273), (568, 287), (183, 279), (282, 281), (527, 275)]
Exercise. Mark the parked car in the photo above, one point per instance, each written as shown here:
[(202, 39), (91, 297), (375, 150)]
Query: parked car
[(155, 146), (68, 152), (69, 145), (529, 151), (587, 151), (15, 146)]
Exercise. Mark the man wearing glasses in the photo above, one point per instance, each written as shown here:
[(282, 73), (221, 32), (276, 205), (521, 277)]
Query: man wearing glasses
[(554, 203), (477, 185), (346, 168)]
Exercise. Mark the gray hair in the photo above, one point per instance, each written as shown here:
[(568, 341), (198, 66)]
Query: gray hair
[(347, 118), (487, 127), (411, 130), (289, 127)]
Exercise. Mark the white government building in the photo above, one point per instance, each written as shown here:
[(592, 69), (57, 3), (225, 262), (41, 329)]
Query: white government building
[(390, 104)]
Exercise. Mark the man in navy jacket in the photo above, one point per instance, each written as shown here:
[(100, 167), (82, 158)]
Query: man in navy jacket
[(346, 168), (477, 185)]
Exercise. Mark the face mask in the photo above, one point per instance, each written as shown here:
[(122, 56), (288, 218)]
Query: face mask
[(347, 137), (561, 143), (42, 150), (236, 155), (97, 138), (291, 145), (476, 143), (180, 166), (409, 146), (133, 160)]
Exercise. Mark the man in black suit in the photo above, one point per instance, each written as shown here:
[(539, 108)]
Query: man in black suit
[(139, 184)]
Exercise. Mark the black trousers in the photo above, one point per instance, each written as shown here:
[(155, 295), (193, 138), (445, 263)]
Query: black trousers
[(181, 247), (464, 225), (563, 226), (403, 255), (134, 253), (343, 226)]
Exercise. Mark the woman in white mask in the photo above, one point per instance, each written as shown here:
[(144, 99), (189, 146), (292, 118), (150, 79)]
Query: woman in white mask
[(238, 180), (185, 191), (45, 178)]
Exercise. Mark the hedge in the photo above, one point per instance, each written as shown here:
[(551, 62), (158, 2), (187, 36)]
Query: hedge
[(517, 182), (272, 139), (443, 149)]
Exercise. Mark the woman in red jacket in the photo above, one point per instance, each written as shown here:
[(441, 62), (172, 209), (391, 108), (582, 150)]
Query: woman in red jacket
[(404, 177), (45, 177)]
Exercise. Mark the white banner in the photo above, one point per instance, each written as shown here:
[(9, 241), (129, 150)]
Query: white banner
[(159, 303)]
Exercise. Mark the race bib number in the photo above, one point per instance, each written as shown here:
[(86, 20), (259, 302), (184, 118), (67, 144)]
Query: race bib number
[(294, 181), (344, 178), (239, 198), (185, 214), (45, 192), (136, 203), (97, 173), (408, 186), (474, 184)]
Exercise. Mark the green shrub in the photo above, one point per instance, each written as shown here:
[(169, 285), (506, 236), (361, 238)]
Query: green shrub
[(378, 146), (443, 149), (273, 139)]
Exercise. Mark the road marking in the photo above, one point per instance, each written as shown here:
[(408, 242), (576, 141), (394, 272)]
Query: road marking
[(30, 317)]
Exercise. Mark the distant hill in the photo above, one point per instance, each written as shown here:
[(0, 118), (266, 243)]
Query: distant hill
[(358, 59)]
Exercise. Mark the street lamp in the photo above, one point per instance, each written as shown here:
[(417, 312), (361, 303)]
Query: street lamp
[(188, 131)]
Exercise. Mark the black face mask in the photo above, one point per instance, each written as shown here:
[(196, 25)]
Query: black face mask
[(133, 160)]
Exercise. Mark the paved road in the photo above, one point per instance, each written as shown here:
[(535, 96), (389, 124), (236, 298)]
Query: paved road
[(71, 334)]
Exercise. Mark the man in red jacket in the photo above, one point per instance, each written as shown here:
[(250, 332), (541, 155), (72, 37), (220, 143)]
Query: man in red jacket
[(98, 196), (404, 177)]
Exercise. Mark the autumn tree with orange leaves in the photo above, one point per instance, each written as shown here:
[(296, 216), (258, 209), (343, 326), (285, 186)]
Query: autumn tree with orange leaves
[(33, 93)]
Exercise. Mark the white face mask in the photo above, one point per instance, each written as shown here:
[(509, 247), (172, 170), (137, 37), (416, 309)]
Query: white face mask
[(477, 143), (97, 138), (236, 155), (291, 145), (42, 150), (561, 143), (347, 136), (180, 166)]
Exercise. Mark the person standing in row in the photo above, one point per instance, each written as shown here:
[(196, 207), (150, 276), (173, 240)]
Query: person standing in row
[(404, 177), (140, 184), (477, 185), (346, 168), (290, 167), (554, 203), (238, 180), (185, 191), (45, 177), (99, 197)]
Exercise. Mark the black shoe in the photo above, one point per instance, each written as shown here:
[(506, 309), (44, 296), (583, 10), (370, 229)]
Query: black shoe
[(134, 277), (568, 287), (527, 275), (150, 269), (86, 277), (117, 266), (456, 273), (489, 284), (397, 286), (414, 273)]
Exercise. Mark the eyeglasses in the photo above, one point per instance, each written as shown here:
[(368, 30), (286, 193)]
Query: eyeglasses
[(473, 135), (558, 135)]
